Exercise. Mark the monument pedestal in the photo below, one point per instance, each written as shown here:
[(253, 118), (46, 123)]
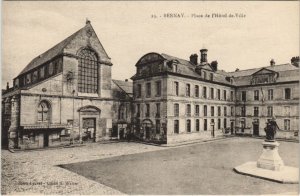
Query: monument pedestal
[(270, 166), (270, 158)]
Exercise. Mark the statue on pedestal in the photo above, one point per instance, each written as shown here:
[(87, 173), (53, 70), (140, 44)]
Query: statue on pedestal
[(270, 130)]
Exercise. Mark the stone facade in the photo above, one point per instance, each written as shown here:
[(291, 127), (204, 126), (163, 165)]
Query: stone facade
[(66, 95), (198, 101), (53, 103)]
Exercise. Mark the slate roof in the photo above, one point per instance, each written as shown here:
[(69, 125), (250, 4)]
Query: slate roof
[(124, 86), (49, 54), (189, 69), (287, 72)]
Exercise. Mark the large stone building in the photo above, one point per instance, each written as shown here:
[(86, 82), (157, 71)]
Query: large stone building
[(66, 95), (177, 100)]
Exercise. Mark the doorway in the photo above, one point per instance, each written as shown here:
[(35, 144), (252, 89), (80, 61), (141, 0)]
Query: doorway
[(256, 127), (147, 132), (231, 127), (89, 129), (46, 139)]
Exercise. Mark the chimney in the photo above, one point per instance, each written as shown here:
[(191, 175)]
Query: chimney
[(237, 69), (272, 62), (7, 86), (87, 21), (214, 65), (295, 61), (126, 80), (203, 55), (194, 59)]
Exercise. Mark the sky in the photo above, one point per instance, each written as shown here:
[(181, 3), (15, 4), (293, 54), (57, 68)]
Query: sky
[(267, 30)]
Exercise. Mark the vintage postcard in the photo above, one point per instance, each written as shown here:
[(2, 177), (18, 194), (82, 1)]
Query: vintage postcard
[(150, 97)]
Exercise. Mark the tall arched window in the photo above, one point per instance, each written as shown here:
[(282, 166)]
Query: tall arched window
[(87, 71), (44, 111)]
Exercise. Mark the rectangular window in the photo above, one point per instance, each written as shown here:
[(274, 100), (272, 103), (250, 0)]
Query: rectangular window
[(188, 109), (196, 91), (176, 88), (243, 95), (176, 109), (147, 110), (225, 111), (148, 89), (224, 94), (188, 90), (287, 124), (204, 92), (256, 95), (231, 95), (211, 93), (139, 91), (158, 88), (270, 94), (28, 78), (211, 76), (287, 110), (205, 124), (270, 111), (157, 110), (243, 111), (256, 111), (197, 125), (225, 123), (232, 111), (35, 76), (138, 114), (219, 123), (42, 72), (287, 93), (219, 94), (205, 110), (219, 110), (157, 123), (176, 126), (197, 110), (243, 124), (204, 75), (212, 111), (188, 125)]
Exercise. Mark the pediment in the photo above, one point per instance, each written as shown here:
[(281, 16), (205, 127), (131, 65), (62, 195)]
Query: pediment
[(264, 71)]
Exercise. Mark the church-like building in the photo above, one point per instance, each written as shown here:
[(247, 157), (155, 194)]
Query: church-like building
[(66, 95)]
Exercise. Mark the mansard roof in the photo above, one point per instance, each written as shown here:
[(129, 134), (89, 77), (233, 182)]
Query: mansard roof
[(286, 73), (56, 50)]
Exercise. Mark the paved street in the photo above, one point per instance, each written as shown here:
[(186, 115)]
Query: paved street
[(204, 168)]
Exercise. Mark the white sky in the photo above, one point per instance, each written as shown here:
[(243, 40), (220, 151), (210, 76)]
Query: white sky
[(126, 30)]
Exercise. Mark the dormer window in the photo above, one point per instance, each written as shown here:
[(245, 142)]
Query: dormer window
[(204, 75), (211, 76)]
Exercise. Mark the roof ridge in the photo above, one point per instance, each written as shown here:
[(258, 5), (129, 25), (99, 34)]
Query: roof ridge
[(64, 42)]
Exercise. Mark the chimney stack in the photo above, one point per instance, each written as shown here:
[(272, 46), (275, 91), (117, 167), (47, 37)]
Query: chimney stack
[(203, 55), (126, 80), (214, 65), (272, 62), (7, 86), (194, 59), (295, 61)]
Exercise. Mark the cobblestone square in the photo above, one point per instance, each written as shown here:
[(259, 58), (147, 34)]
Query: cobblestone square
[(131, 168)]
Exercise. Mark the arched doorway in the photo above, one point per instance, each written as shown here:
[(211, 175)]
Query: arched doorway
[(89, 117), (147, 127)]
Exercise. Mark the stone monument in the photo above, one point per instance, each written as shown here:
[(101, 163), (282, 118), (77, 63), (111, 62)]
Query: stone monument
[(270, 165)]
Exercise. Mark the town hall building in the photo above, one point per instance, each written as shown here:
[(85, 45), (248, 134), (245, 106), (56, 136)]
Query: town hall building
[(66, 95)]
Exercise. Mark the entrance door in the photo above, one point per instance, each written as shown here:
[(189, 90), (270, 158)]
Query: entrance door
[(46, 139), (231, 127), (89, 129), (256, 127), (147, 132)]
